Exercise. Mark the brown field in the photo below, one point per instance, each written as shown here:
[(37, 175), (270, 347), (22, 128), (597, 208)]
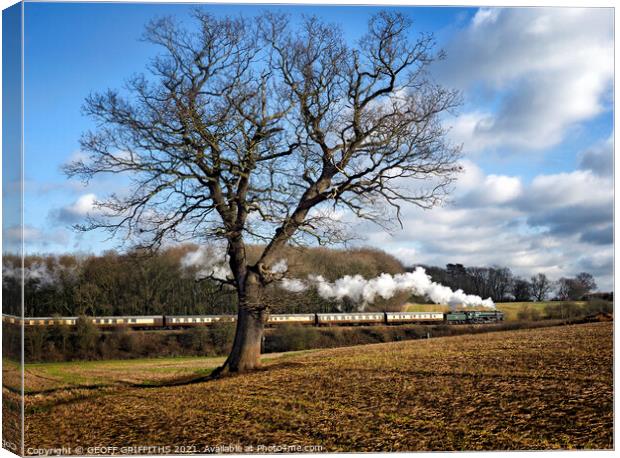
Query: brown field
[(546, 388)]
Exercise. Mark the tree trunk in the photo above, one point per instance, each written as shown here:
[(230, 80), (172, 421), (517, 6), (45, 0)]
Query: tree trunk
[(245, 353)]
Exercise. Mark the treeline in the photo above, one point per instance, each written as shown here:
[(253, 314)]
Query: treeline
[(502, 285), (137, 283), (593, 307)]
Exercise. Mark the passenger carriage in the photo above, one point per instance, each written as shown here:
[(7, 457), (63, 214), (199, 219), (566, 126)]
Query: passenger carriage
[(344, 319), (152, 321), (299, 318), (197, 320), (413, 317)]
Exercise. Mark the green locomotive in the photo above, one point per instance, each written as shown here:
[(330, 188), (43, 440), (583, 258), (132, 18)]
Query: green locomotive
[(473, 317)]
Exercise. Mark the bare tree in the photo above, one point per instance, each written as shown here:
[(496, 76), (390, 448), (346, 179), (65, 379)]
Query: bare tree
[(247, 129), (541, 286), (566, 286), (586, 284), (500, 282), (521, 290), (576, 288)]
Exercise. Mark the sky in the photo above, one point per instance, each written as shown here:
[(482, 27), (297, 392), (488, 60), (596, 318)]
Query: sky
[(536, 125)]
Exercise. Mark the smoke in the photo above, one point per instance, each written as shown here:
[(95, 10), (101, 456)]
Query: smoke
[(293, 285), (209, 262), (39, 275), (360, 290), (279, 267), (212, 262)]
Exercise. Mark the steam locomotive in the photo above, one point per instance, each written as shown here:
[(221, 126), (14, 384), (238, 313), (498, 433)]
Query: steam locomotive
[(307, 319)]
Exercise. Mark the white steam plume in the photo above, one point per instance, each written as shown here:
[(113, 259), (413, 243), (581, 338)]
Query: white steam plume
[(360, 290), (212, 262), (293, 285), (39, 275), (209, 262), (279, 267)]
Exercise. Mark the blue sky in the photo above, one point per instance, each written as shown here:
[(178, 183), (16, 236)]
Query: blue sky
[(536, 127)]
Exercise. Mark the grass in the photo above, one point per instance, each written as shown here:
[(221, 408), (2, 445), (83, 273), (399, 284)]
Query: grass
[(45, 377), (510, 309), (529, 389)]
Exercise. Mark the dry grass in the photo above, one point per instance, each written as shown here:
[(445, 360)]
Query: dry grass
[(43, 378), (530, 389)]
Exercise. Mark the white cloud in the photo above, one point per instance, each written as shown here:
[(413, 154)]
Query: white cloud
[(559, 224), (491, 189), (484, 16), (84, 206), (542, 70), (32, 237), (577, 188), (600, 158)]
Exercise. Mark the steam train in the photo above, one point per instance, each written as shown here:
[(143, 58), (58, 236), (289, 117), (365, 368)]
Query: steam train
[(308, 319)]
